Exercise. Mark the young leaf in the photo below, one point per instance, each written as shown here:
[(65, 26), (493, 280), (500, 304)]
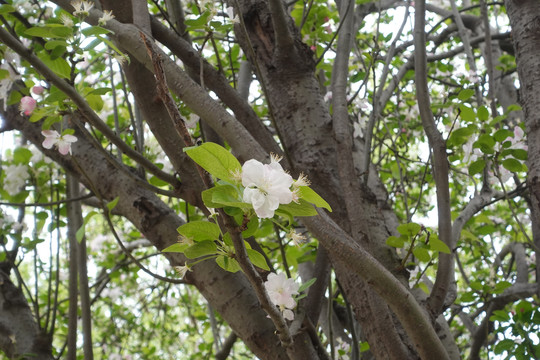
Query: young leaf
[(111, 204), (303, 208), (421, 254), (308, 194), (215, 159), (307, 284), (199, 249), (465, 94), (227, 263), (395, 241), (437, 245), (512, 165), (82, 230), (176, 248), (200, 230), (477, 167), (409, 229), (257, 259)]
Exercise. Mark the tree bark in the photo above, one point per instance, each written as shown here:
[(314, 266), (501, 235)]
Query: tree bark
[(20, 336), (525, 21)]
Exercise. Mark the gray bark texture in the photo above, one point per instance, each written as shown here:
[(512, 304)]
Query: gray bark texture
[(20, 337), (525, 21), (394, 320)]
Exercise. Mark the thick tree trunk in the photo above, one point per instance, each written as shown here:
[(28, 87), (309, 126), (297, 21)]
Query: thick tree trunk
[(525, 21), (20, 336)]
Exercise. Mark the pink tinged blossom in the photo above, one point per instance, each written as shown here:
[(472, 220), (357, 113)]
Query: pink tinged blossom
[(62, 142), (266, 186), (28, 104), (38, 90), (281, 291)]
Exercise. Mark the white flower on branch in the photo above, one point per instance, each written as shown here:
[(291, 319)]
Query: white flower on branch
[(281, 291), (62, 142), (82, 8), (266, 186), (107, 15)]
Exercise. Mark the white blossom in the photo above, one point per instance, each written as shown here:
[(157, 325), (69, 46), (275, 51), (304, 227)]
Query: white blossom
[(16, 176), (182, 270), (297, 239), (107, 15), (62, 142), (266, 186), (82, 8), (66, 20), (281, 291), (230, 13)]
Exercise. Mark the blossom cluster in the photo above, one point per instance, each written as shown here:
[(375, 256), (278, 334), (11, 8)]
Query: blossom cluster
[(16, 176)]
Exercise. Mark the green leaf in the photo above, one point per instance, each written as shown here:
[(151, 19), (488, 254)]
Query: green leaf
[(203, 248), (257, 259), (215, 159), (111, 204), (3, 74), (100, 91), (364, 346), (21, 155), (40, 113), (422, 286), (483, 113), (476, 285), (6, 9), (308, 194), (504, 345), (95, 30), (200, 22), (485, 143), (228, 264), (82, 230), (302, 208), (307, 284), (437, 245), (410, 229), (50, 31), (519, 154), (110, 44), (500, 315), (512, 165), (200, 230), (502, 134), (421, 254), (227, 195), (207, 198), (252, 227), (58, 65), (395, 241), (157, 181), (477, 167), (465, 94), (466, 113), (95, 101), (53, 44), (176, 248), (501, 286)]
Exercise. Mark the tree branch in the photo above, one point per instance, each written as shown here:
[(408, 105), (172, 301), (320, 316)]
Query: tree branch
[(413, 318), (83, 106), (440, 164)]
